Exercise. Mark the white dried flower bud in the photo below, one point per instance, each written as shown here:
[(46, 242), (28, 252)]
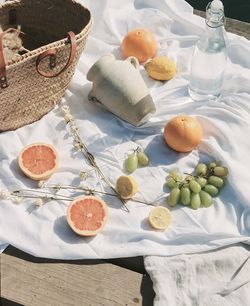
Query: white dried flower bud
[(17, 200), (65, 109), (77, 145), (83, 175), (4, 194), (68, 117), (73, 128), (40, 184), (39, 202), (58, 187)]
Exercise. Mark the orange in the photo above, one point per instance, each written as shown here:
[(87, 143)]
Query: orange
[(38, 161), (87, 215), (183, 133), (140, 43)]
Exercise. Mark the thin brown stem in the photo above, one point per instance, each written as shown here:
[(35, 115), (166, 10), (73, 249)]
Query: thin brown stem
[(91, 159), (88, 190)]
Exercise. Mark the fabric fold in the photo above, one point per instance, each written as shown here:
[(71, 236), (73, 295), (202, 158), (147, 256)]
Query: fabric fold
[(220, 277)]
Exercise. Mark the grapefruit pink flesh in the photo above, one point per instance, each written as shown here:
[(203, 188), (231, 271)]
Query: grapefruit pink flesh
[(87, 215), (39, 159)]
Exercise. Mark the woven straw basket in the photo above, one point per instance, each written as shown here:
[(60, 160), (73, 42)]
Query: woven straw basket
[(55, 33)]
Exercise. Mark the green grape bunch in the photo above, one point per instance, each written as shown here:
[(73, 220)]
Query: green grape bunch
[(198, 189), (135, 159)]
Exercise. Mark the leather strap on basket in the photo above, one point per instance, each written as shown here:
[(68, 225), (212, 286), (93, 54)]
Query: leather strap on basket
[(51, 53)]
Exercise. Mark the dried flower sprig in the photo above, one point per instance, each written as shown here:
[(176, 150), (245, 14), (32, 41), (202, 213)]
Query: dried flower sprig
[(89, 191), (41, 197), (44, 196), (6, 195), (81, 147)]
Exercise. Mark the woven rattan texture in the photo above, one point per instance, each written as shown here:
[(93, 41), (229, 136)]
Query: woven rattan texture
[(29, 95)]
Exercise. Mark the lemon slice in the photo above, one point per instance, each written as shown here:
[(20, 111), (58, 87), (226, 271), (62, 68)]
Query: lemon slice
[(126, 186), (160, 218)]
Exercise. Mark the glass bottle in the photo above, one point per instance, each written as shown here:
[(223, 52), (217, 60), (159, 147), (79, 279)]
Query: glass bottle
[(209, 59)]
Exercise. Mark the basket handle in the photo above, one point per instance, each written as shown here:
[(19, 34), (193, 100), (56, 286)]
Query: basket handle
[(51, 53)]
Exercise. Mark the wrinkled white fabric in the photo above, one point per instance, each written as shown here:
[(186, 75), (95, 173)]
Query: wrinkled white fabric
[(218, 278), (44, 231)]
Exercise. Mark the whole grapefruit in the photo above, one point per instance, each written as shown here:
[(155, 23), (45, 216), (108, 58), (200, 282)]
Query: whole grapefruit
[(183, 133), (140, 43), (38, 161), (87, 215)]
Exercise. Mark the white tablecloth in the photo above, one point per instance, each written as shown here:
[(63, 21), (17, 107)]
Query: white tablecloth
[(44, 231)]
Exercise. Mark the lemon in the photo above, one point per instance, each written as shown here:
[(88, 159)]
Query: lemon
[(160, 218), (161, 68), (126, 186)]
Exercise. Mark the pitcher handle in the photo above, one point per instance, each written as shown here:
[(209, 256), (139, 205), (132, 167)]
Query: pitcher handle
[(134, 61)]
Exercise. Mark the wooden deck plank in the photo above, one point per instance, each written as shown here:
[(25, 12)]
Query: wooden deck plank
[(32, 281), (68, 284)]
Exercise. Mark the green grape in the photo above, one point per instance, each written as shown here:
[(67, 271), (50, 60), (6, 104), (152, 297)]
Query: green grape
[(195, 200), (201, 181), (201, 169), (185, 195), (131, 163), (142, 159), (194, 186), (206, 199), (211, 165), (220, 171), (174, 197), (176, 175), (171, 183), (212, 190), (216, 181)]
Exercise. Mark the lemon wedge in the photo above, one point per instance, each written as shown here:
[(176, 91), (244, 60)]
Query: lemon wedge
[(160, 218), (126, 186)]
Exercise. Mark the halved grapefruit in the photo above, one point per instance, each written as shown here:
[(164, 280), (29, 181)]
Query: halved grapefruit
[(87, 215), (38, 161)]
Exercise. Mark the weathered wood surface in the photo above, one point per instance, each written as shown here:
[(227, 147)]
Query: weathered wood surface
[(233, 26), (31, 281)]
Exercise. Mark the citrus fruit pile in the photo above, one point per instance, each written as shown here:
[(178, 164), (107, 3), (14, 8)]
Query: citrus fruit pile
[(183, 133), (138, 157), (38, 161), (196, 190), (87, 215), (142, 44)]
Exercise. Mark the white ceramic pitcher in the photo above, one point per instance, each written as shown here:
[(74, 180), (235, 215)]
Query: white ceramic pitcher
[(119, 86)]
